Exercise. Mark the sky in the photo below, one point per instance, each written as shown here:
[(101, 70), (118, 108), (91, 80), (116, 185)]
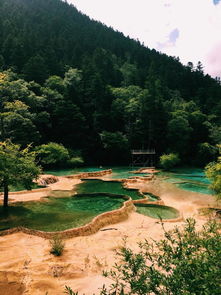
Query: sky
[(188, 29)]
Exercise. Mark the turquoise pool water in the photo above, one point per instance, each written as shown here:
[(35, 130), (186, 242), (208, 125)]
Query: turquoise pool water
[(195, 187), (124, 172), (99, 186), (188, 179), (55, 214), (157, 211)]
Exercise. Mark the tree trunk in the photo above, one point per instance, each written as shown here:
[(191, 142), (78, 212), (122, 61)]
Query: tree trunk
[(2, 129), (5, 205)]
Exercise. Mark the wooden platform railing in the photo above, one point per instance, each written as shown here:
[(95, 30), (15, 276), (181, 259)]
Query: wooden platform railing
[(143, 152)]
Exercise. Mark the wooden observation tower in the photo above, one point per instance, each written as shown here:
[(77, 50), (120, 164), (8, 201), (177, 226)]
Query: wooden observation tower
[(145, 158)]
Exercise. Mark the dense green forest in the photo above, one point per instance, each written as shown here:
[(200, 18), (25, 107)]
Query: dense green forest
[(68, 79)]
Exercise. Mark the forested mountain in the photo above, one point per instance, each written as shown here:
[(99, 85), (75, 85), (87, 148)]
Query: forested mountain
[(68, 79)]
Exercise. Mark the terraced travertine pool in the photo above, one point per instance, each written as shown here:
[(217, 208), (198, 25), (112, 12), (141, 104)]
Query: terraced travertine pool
[(56, 214), (190, 179), (60, 213)]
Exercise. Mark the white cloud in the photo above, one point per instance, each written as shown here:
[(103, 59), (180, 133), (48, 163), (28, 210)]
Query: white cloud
[(152, 21), (214, 60)]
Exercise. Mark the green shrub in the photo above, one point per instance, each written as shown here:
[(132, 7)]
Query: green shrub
[(169, 161), (213, 172), (52, 154), (57, 246), (56, 155)]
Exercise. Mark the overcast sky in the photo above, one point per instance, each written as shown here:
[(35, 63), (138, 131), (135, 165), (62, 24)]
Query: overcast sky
[(190, 29)]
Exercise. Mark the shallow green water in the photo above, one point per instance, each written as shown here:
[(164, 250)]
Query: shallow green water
[(188, 179), (55, 214), (157, 211), (99, 186)]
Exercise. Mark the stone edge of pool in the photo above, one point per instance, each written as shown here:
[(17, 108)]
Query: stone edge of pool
[(103, 219)]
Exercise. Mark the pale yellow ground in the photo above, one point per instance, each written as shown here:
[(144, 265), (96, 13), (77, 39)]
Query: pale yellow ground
[(26, 267)]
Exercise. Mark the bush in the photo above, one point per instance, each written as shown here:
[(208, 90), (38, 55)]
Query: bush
[(213, 172), (169, 161), (56, 155), (206, 153), (57, 246), (52, 154), (184, 262)]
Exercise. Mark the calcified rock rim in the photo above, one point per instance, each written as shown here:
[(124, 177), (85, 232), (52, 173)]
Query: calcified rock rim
[(101, 220)]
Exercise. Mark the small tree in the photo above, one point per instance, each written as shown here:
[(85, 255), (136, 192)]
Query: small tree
[(17, 166), (169, 161)]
